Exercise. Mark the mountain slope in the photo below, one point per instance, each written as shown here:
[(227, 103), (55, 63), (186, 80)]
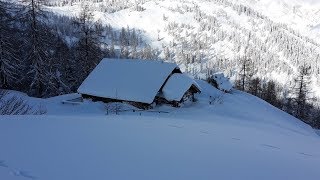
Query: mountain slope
[(302, 15), (209, 36), (238, 136)]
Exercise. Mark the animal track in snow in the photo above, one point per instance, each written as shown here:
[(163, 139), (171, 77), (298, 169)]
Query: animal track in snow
[(305, 154), (205, 132), (24, 174), (175, 126), (237, 139), (270, 146), (15, 172)]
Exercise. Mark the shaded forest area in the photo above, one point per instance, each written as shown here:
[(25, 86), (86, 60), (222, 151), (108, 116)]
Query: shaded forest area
[(46, 55)]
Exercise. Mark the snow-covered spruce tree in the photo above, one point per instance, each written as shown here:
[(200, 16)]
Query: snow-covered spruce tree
[(112, 52), (301, 93), (246, 72), (9, 60), (88, 49), (124, 52), (65, 67), (124, 43), (36, 47), (148, 53), (60, 68), (134, 42), (134, 39)]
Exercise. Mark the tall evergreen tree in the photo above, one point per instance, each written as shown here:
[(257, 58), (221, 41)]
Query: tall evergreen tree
[(246, 72), (269, 94), (302, 93), (88, 49), (36, 46), (9, 60), (67, 67), (255, 87)]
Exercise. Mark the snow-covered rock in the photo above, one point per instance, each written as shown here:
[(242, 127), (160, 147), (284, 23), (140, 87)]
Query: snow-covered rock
[(221, 82)]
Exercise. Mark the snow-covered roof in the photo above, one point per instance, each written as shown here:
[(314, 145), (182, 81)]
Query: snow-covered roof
[(176, 86), (127, 79)]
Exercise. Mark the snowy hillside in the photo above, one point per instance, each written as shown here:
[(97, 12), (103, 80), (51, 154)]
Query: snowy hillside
[(303, 15), (238, 136), (209, 36), (212, 135)]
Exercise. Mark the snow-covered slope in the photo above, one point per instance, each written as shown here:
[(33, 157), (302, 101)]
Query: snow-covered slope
[(212, 35), (303, 15), (238, 136)]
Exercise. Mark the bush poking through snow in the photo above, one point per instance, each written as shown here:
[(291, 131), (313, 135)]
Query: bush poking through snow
[(219, 81), (216, 100), (113, 108), (14, 105)]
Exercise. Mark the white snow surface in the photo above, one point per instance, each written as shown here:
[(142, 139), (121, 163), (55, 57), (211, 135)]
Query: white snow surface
[(110, 79), (239, 137), (176, 86)]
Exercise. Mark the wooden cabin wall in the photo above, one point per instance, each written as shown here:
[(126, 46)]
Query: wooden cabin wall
[(107, 100)]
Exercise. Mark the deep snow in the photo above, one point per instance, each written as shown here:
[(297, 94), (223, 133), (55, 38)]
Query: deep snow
[(238, 136)]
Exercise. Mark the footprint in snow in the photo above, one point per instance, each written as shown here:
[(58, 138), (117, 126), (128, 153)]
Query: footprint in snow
[(236, 139), (175, 126), (205, 132), (270, 146), (3, 164), (24, 174), (305, 154)]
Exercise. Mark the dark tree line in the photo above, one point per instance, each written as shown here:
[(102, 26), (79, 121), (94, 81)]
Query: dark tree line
[(46, 55), (9, 56), (34, 57), (295, 100)]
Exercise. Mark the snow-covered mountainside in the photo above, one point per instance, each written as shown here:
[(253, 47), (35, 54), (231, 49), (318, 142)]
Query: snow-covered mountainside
[(236, 136), (205, 36), (303, 15), (219, 136)]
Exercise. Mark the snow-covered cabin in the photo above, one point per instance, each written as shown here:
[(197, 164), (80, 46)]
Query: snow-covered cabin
[(179, 87), (140, 82)]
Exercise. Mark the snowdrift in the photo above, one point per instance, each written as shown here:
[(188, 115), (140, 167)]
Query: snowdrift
[(238, 136)]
